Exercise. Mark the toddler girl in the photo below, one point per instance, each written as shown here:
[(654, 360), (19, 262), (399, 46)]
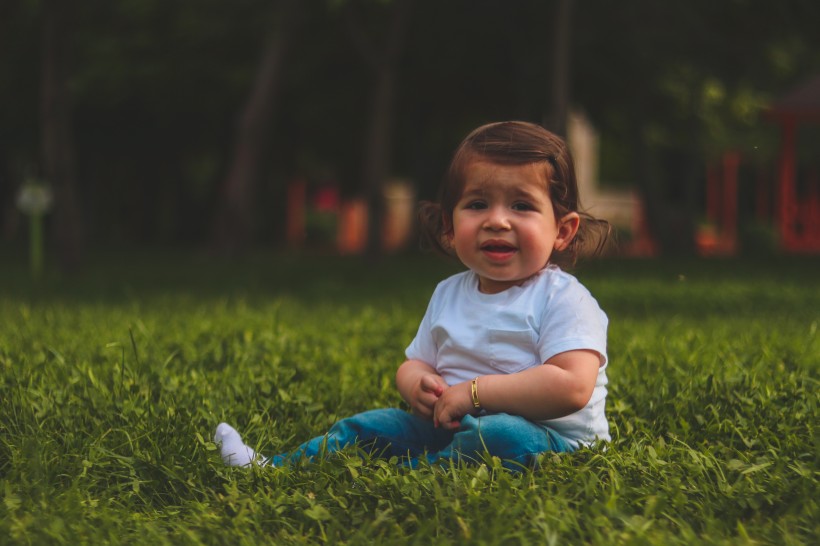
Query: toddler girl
[(510, 357)]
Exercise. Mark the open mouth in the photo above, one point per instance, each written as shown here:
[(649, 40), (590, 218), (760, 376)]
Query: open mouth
[(498, 248)]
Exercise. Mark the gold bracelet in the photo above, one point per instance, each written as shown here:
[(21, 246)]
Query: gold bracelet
[(474, 393)]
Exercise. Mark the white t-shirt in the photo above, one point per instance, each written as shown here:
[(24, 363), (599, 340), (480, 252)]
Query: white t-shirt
[(466, 333)]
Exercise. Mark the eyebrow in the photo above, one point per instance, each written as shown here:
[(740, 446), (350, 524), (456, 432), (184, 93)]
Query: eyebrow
[(525, 194), (473, 193), (517, 193)]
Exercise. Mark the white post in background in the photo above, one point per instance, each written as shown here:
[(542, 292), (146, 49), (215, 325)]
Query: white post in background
[(35, 199)]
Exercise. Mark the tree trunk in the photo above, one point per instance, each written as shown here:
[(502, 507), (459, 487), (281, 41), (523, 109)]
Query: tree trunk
[(653, 203), (382, 59), (686, 177), (378, 149), (235, 215), (667, 182), (57, 131), (557, 119)]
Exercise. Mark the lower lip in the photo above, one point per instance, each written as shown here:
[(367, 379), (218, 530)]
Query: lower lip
[(499, 255)]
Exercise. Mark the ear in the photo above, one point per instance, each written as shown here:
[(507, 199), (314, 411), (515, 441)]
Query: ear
[(447, 224), (567, 228), (445, 238)]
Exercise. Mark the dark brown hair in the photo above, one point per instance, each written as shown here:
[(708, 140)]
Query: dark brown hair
[(515, 143)]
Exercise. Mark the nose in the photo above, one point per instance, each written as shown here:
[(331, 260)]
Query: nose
[(496, 219)]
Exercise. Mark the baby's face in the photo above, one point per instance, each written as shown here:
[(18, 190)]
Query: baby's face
[(504, 226)]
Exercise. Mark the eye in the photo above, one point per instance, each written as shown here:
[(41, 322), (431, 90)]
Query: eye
[(475, 205), (522, 206)]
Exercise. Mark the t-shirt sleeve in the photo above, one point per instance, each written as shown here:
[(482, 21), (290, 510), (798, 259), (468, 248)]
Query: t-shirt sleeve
[(572, 320), (423, 347)]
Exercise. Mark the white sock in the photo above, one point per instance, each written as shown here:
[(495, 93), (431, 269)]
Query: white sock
[(234, 451)]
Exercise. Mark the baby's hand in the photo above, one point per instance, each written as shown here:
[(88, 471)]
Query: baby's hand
[(427, 392), (452, 405)]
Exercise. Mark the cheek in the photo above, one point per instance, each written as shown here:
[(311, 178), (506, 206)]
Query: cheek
[(459, 235), (540, 238), (460, 225), (463, 235)]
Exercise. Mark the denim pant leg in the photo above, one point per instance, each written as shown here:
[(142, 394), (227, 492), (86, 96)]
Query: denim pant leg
[(391, 432), (513, 439)]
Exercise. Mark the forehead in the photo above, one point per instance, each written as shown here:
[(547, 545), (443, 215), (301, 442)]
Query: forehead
[(485, 176)]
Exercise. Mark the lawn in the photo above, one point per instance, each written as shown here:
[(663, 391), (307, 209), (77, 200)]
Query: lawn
[(112, 381)]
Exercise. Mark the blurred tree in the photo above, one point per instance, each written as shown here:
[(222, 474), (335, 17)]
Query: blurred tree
[(561, 44), (381, 55), (57, 129), (235, 213), (158, 85), (155, 87), (21, 41)]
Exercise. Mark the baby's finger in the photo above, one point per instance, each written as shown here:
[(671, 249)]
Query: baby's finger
[(445, 421), (428, 400), (441, 416), (429, 384)]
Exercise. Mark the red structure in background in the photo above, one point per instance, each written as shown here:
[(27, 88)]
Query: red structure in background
[(347, 218), (796, 198), (798, 213), (721, 207)]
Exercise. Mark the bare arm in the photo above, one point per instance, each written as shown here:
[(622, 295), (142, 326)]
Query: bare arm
[(562, 385), (420, 386)]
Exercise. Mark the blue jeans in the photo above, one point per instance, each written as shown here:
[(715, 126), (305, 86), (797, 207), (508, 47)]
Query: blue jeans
[(393, 432)]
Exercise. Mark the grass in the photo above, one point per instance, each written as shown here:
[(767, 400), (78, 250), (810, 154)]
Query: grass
[(111, 383)]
